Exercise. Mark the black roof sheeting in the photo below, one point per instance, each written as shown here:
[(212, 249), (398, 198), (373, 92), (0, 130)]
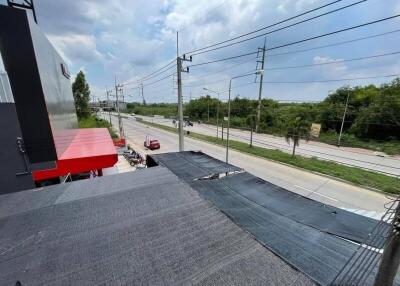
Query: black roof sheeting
[(191, 165), (306, 233), (142, 228)]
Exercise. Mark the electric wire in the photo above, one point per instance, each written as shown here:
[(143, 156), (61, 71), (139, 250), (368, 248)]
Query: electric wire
[(269, 26), (334, 44), (302, 82), (299, 66), (164, 68), (277, 30), (333, 62), (224, 59), (334, 32), (144, 78), (331, 80), (222, 70)]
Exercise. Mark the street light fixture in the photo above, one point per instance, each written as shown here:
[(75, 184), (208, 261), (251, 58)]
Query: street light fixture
[(216, 92), (257, 72)]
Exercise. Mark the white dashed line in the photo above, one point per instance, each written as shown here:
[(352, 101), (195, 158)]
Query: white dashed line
[(314, 192)]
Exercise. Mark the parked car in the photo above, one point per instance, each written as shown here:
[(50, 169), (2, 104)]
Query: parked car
[(151, 144)]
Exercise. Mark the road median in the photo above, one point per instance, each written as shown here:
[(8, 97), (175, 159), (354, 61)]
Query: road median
[(353, 175)]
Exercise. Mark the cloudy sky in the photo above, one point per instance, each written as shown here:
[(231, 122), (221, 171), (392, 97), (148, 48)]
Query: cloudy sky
[(132, 38)]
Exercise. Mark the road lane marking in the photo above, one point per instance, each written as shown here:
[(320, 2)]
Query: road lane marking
[(315, 192)]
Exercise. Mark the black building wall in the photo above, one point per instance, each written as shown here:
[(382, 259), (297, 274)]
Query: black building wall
[(14, 175), (42, 92)]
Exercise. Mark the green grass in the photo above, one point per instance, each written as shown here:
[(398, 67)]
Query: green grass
[(349, 140), (167, 110), (391, 147), (351, 174), (95, 122)]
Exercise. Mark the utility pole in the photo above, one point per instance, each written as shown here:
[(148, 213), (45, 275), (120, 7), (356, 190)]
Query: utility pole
[(179, 70), (260, 89), (252, 123), (180, 104), (216, 92), (144, 101), (108, 102), (222, 130), (391, 255), (344, 116), (217, 115), (118, 87), (208, 109)]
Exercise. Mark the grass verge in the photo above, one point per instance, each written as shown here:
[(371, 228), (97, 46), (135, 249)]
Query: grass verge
[(351, 174), (389, 147), (95, 122)]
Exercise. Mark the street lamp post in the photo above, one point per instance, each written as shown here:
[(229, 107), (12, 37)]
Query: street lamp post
[(258, 72), (217, 93), (344, 117)]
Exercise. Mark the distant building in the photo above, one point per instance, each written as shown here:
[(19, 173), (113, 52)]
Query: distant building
[(108, 105)]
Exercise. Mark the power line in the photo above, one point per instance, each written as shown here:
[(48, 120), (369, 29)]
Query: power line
[(276, 30), (333, 62), (331, 80), (158, 73), (319, 36), (300, 66), (334, 44), (270, 26), (160, 70), (224, 59), (222, 70), (302, 82), (211, 83), (334, 32), (152, 83), (168, 76)]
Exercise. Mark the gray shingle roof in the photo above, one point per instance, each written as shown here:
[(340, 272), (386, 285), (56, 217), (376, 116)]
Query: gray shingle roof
[(141, 228)]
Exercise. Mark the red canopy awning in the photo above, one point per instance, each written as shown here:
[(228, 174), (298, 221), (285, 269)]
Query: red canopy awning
[(81, 150)]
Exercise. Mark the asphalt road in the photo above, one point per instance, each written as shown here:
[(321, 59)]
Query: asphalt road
[(356, 157), (320, 188)]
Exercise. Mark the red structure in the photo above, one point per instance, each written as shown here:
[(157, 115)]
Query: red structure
[(82, 150), (40, 136), (120, 142)]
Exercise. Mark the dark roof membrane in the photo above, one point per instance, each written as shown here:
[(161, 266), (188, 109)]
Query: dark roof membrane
[(315, 238)]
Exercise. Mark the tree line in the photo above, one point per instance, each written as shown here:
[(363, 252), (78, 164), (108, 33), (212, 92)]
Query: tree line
[(373, 112), (372, 117)]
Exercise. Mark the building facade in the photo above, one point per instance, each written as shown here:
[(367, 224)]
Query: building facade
[(108, 105), (39, 137)]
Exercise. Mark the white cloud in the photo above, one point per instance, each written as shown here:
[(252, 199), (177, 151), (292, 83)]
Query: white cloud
[(397, 9), (81, 48), (303, 4), (281, 8), (131, 38), (333, 70)]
